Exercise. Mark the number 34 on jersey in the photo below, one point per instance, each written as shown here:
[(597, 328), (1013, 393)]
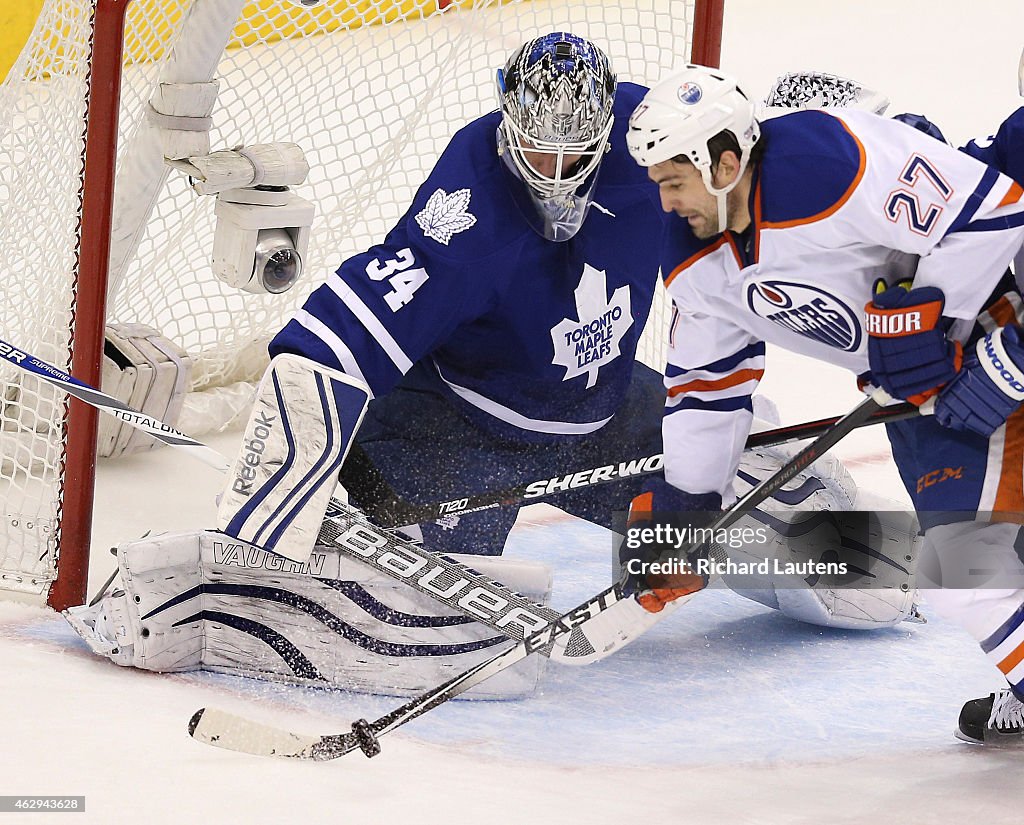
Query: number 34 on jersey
[(402, 275)]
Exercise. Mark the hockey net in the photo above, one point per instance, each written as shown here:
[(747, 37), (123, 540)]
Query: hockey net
[(370, 89)]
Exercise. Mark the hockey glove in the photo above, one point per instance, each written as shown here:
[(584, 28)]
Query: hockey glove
[(655, 570), (909, 354), (990, 386)]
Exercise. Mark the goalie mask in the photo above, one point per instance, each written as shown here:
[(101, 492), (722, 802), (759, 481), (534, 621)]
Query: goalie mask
[(556, 95)]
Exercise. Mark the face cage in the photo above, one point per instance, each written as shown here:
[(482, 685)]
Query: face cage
[(558, 218), (590, 154)]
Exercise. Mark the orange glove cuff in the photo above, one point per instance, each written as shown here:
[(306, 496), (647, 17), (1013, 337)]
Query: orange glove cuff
[(894, 323)]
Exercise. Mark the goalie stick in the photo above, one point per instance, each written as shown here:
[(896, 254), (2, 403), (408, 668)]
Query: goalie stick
[(388, 509), (233, 732)]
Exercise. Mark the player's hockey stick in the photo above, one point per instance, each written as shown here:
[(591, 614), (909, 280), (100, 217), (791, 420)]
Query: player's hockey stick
[(227, 730), (388, 509), (446, 581)]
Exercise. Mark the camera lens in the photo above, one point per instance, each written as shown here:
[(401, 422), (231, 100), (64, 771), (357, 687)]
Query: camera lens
[(277, 264), (281, 270)]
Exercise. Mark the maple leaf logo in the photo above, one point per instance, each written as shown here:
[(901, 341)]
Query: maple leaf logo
[(586, 345), (445, 215)]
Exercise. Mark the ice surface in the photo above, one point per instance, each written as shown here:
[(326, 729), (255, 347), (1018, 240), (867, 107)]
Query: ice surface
[(726, 713)]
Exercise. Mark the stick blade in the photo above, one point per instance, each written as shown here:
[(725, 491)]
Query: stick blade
[(226, 730), (610, 630)]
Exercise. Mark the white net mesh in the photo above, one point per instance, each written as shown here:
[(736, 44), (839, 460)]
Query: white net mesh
[(371, 92)]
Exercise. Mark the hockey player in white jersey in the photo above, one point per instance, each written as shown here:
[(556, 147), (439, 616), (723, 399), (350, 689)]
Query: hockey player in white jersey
[(805, 231), (994, 717)]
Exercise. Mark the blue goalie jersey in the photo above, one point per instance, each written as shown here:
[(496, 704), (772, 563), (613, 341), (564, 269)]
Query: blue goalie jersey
[(528, 337)]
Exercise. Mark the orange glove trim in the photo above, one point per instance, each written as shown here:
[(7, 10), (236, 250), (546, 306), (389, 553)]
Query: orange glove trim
[(895, 323), (654, 601), (958, 361)]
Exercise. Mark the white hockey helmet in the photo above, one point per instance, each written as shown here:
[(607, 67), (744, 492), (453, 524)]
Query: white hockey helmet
[(556, 94), (685, 111)]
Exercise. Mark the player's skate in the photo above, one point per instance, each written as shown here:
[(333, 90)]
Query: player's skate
[(997, 720)]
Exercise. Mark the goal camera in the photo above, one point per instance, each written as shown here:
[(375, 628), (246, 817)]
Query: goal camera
[(261, 238)]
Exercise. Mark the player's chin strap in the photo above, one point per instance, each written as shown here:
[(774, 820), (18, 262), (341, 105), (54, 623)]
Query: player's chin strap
[(721, 193), (723, 208)]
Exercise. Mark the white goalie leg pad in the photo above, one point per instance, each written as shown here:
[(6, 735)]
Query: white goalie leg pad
[(302, 424), (891, 597), (808, 527), (147, 372), (203, 600)]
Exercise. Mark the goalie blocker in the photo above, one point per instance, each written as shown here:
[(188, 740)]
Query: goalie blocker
[(205, 601), (146, 371)]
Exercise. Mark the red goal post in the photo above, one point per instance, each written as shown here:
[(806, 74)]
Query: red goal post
[(84, 55)]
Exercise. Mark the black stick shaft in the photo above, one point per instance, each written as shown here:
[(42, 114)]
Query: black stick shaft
[(376, 496)]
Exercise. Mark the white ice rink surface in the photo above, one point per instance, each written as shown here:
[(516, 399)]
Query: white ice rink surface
[(726, 713)]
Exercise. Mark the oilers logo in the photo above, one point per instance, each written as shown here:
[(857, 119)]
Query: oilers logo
[(808, 311), (689, 93)]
